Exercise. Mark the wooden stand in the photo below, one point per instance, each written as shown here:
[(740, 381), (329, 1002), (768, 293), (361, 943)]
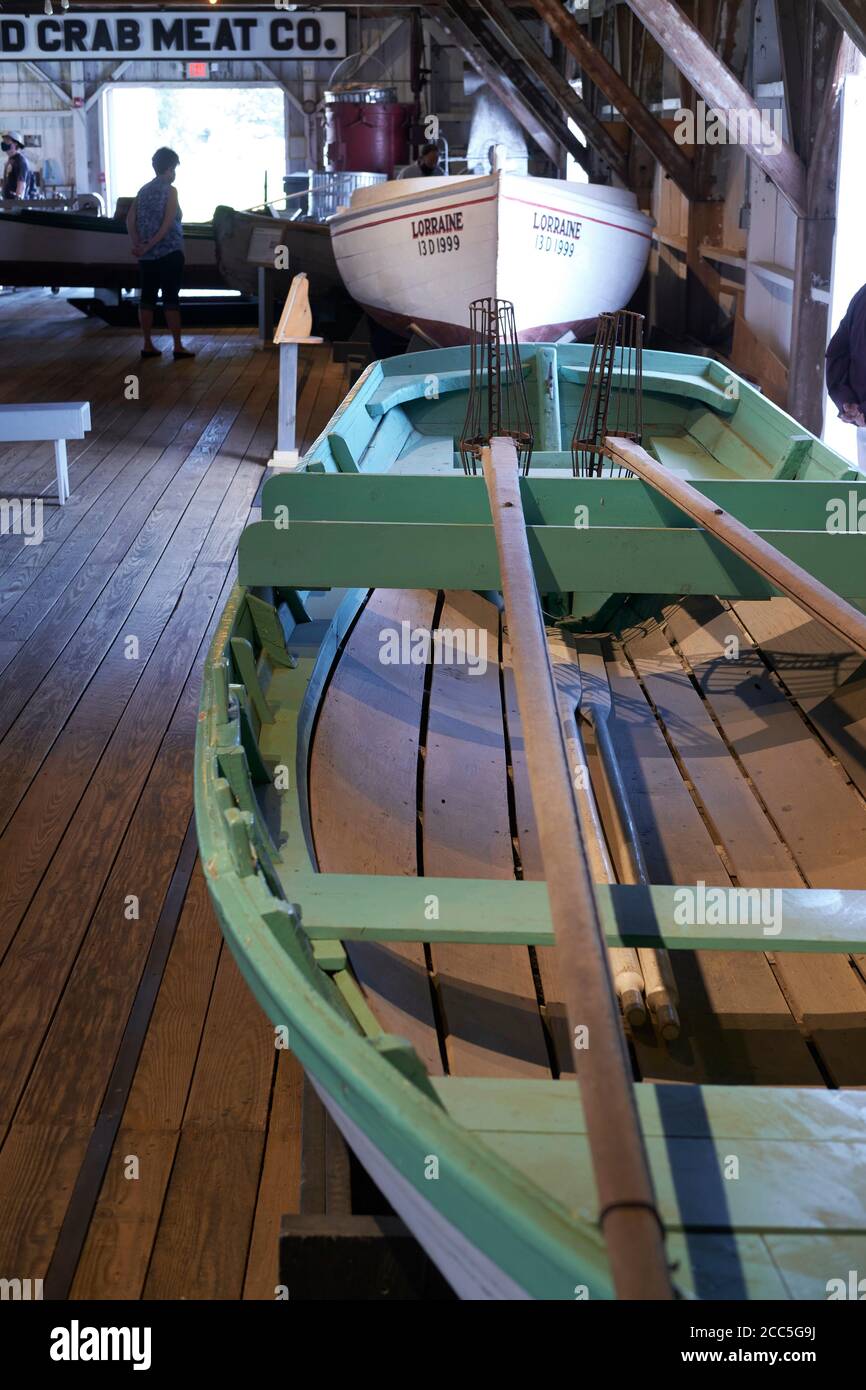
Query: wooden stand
[(346, 1243), (293, 330)]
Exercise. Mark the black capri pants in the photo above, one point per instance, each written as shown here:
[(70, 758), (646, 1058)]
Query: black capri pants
[(165, 273)]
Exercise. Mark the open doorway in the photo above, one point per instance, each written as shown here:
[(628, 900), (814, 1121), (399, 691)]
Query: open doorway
[(231, 142)]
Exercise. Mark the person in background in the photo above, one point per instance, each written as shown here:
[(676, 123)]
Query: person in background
[(846, 370), (425, 165), (16, 173), (154, 226)]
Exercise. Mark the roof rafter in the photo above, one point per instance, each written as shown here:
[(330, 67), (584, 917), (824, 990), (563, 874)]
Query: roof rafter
[(670, 156), (507, 80), (549, 76), (696, 59)]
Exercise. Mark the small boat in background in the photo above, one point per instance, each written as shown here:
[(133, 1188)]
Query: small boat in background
[(300, 223), (414, 252), (307, 241), (57, 248)]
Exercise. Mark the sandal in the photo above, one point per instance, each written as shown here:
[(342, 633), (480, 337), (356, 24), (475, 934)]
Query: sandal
[(151, 352), (180, 353)]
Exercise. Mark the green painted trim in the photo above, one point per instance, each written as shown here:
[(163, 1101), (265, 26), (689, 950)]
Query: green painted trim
[(546, 387), (637, 560), (364, 907), (685, 385), (610, 502), (245, 662), (506, 1215), (269, 629), (306, 717)]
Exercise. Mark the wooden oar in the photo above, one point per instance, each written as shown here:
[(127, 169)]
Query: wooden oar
[(813, 596), (628, 979), (661, 989), (627, 1211)]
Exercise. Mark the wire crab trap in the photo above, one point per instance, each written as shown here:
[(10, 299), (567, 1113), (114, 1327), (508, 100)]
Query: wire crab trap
[(613, 395), (497, 403)]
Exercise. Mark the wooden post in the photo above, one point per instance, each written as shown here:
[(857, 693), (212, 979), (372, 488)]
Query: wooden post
[(294, 326), (266, 305), (815, 598), (288, 392), (627, 1211)]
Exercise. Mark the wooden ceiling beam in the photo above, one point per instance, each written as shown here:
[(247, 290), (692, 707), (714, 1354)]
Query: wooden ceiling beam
[(697, 61), (508, 80), (496, 80), (549, 77), (616, 89), (792, 22), (850, 15)]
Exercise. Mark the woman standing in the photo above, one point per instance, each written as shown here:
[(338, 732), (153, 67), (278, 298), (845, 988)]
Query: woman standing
[(154, 226)]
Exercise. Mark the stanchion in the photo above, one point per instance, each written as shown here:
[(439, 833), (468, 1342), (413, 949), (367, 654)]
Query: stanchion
[(293, 330)]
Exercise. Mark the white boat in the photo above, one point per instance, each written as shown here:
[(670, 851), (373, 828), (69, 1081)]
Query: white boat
[(416, 252)]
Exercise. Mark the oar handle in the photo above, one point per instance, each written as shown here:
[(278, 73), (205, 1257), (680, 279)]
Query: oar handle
[(628, 1215)]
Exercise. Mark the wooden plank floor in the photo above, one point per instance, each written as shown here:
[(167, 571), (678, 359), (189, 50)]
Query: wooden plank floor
[(149, 1129), (736, 778)]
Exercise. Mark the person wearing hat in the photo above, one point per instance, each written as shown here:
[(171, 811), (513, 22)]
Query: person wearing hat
[(16, 174)]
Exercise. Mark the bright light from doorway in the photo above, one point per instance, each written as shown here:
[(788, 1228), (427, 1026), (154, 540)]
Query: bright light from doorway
[(231, 142)]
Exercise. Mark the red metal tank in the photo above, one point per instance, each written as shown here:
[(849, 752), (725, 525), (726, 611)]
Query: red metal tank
[(366, 129)]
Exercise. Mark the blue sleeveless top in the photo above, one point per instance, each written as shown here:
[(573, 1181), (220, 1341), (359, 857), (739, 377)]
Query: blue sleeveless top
[(149, 212)]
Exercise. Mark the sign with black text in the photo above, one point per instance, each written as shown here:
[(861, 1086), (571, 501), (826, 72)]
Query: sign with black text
[(184, 34)]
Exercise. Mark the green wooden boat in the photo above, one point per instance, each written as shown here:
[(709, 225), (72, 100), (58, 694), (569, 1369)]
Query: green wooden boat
[(338, 760)]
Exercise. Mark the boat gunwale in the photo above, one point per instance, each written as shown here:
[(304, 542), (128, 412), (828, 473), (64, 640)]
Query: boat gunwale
[(542, 1235)]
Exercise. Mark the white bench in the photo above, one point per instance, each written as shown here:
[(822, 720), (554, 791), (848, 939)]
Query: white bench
[(50, 422)]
